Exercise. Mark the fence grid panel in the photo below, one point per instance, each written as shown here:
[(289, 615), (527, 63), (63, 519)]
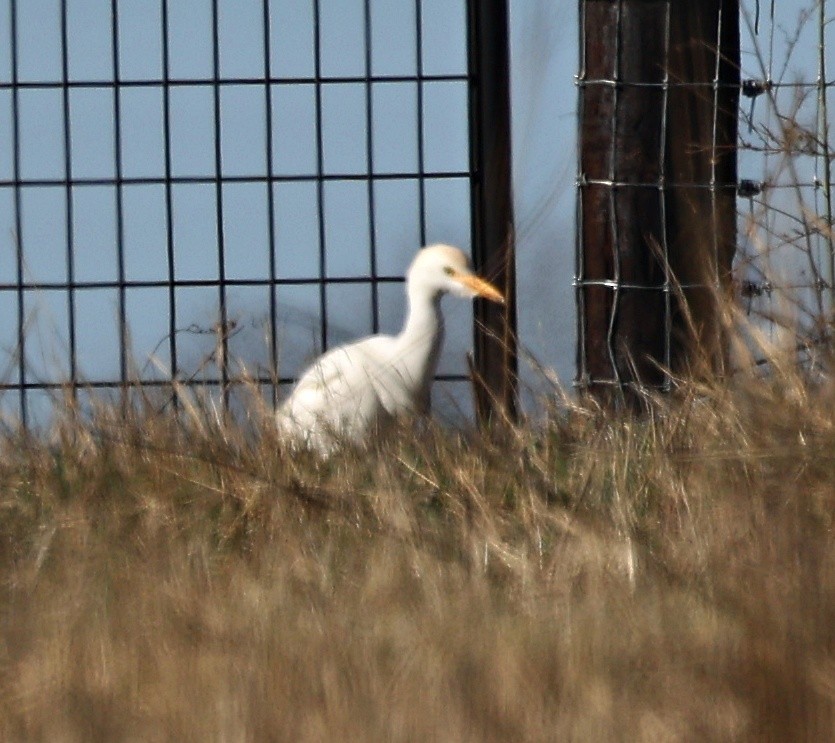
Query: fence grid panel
[(188, 177)]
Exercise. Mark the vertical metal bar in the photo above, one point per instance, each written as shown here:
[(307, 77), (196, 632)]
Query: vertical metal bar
[(722, 199), (18, 217), (492, 203), (369, 146), (613, 203), (769, 214), (268, 93), (714, 135), (223, 329), (823, 140), (169, 206), (662, 195), (120, 229), (582, 378), (65, 91), (320, 186), (420, 137)]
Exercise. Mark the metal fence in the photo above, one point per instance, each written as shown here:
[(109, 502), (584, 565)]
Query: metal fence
[(685, 197), (786, 260), (657, 174), (204, 190)]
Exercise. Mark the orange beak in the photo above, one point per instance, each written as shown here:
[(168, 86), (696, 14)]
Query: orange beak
[(481, 287)]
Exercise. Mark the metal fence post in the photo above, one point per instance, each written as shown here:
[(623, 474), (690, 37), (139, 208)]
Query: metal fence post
[(492, 205)]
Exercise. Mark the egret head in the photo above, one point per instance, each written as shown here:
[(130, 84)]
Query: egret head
[(439, 269)]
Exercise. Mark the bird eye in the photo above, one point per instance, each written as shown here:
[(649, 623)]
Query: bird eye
[(449, 270)]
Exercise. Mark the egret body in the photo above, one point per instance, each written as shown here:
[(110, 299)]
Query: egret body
[(353, 388)]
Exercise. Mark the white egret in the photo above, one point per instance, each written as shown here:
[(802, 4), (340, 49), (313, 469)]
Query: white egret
[(353, 388)]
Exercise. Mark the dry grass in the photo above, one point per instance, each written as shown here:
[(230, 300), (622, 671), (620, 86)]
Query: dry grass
[(663, 578)]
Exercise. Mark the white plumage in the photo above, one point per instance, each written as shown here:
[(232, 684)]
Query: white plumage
[(353, 388)]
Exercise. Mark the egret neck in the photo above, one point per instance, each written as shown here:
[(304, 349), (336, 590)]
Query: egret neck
[(418, 346)]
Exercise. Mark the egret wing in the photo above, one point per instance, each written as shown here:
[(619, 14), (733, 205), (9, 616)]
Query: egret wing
[(338, 394)]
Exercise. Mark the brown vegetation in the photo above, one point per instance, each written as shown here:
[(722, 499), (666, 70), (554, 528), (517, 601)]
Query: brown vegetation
[(593, 578)]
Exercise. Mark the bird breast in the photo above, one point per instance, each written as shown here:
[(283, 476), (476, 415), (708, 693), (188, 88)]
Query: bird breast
[(352, 388)]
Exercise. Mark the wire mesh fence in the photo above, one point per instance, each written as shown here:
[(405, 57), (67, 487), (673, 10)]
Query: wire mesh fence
[(658, 89), (667, 157), (786, 261), (207, 190)]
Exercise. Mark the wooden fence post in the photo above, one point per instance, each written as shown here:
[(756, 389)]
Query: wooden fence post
[(659, 87)]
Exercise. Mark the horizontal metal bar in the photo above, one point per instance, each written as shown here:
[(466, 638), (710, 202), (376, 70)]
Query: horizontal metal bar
[(816, 84), (664, 184), (589, 382), (659, 184), (660, 85), (620, 285), (166, 283), (158, 383), (665, 85), (745, 288), (227, 81), (213, 179)]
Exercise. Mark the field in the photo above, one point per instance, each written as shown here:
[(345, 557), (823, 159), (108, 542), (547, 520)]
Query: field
[(595, 577), (582, 575)]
